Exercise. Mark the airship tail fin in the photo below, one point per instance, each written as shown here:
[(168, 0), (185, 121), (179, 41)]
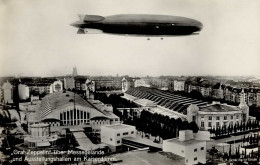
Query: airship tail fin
[(81, 17)]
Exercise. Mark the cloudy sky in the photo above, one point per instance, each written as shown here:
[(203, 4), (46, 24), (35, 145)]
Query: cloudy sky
[(37, 39)]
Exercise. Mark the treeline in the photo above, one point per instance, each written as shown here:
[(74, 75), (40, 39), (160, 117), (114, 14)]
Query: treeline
[(160, 126), (254, 111), (108, 88), (238, 127), (116, 101)]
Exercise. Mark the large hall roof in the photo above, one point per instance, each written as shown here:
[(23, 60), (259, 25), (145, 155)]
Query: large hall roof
[(60, 100)]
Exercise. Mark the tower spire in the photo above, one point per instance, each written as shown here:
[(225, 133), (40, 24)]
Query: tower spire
[(242, 99), (74, 72)]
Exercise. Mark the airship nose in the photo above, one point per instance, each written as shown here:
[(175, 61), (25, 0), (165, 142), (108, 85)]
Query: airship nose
[(199, 25)]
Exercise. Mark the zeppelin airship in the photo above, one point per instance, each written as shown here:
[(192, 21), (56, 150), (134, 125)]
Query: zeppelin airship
[(139, 24)]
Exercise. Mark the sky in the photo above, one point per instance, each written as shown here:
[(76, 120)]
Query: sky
[(37, 39)]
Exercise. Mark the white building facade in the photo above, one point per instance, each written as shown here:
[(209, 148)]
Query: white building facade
[(192, 148), (7, 92), (178, 85), (23, 92), (56, 86), (112, 135), (218, 115)]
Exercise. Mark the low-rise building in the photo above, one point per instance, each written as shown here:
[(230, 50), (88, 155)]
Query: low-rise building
[(40, 136), (192, 148), (112, 135)]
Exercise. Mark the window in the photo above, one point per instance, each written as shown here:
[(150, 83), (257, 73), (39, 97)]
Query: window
[(132, 132), (210, 117), (202, 117), (244, 117), (202, 124), (217, 118), (125, 133), (118, 134), (209, 124), (225, 117), (118, 142), (237, 116), (182, 151), (186, 160), (202, 148), (193, 118), (111, 139), (231, 117), (195, 158), (217, 124), (195, 150)]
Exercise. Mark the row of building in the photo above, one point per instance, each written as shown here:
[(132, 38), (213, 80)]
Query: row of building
[(208, 89), (219, 91), (27, 89)]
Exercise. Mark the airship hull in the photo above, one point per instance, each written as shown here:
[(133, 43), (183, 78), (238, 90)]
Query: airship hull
[(141, 24)]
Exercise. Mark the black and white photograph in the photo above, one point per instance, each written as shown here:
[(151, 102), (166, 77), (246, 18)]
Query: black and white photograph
[(129, 82)]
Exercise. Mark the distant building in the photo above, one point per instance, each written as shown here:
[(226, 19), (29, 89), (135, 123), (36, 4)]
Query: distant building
[(191, 147), (69, 83), (107, 83), (217, 91), (7, 88), (23, 92), (178, 85), (127, 83), (253, 96), (74, 72), (112, 135), (141, 83), (56, 86), (205, 88), (91, 85)]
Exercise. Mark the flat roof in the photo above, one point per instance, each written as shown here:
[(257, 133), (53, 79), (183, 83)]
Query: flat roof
[(118, 126), (185, 142), (40, 125), (84, 142), (143, 157)]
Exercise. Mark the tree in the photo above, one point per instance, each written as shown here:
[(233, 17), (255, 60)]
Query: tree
[(213, 151), (229, 152), (194, 127)]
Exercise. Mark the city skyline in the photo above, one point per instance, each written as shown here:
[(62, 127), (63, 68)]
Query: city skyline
[(39, 41)]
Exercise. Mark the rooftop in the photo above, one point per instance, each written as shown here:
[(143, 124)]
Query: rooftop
[(40, 125), (59, 100), (219, 108), (118, 126), (143, 157), (185, 142)]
